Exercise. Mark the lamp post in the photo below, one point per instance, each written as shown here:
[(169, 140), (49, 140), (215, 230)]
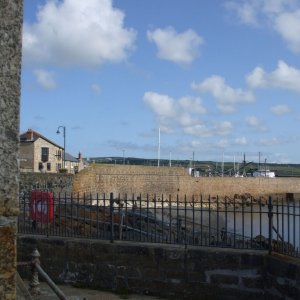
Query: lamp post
[(64, 135)]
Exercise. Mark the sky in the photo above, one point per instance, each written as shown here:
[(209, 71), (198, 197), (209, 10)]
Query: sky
[(172, 79)]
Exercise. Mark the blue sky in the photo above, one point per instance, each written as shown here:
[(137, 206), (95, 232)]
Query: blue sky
[(218, 78)]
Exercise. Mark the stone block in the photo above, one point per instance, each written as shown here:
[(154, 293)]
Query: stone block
[(253, 282), (252, 260), (223, 279), (8, 264)]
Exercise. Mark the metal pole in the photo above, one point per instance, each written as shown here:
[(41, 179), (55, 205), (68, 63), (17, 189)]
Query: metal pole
[(64, 136), (49, 281), (158, 154), (111, 204), (270, 216), (64, 127)]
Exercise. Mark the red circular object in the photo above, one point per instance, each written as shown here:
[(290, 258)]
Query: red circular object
[(41, 206)]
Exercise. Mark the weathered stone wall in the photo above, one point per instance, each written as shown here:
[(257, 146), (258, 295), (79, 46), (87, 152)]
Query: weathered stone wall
[(166, 270), (128, 179), (172, 181), (11, 12), (154, 181), (56, 183)]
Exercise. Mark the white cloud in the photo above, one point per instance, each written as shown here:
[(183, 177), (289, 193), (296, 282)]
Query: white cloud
[(186, 119), (184, 114), (285, 77), (282, 16), (217, 129), (227, 97), (223, 128), (222, 144), (271, 142), (76, 32), (255, 123), (45, 79), (170, 113), (96, 88), (162, 105), (288, 26), (193, 105), (241, 141), (257, 78), (246, 12), (280, 109), (180, 48), (199, 130)]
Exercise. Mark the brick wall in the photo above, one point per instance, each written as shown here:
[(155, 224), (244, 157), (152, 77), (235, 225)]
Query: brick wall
[(10, 67)]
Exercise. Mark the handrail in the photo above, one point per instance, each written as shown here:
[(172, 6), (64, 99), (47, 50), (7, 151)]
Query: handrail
[(37, 269)]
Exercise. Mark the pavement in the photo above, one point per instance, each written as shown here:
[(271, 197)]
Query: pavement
[(73, 293)]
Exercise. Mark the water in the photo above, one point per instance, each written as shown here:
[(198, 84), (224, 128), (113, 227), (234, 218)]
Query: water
[(253, 222)]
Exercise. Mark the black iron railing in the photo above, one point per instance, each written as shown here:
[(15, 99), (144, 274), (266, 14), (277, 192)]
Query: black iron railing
[(272, 224)]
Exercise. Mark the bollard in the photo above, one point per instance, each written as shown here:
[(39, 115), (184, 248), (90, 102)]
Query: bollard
[(34, 284)]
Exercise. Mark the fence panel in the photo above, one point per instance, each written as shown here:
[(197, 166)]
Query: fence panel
[(214, 222)]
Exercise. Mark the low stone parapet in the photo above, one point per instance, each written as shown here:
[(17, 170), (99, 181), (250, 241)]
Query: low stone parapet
[(166, 270)]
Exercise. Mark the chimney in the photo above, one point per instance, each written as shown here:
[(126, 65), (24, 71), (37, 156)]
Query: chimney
[(79, 156), (29, 135)]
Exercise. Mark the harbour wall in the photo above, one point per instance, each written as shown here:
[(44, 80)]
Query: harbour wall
[(171, 271), (125, 179)]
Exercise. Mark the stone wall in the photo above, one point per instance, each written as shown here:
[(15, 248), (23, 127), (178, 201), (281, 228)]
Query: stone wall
[(165, 270), (128, 179), (155, 181), (11, 12), (56, 183), (172, 181)]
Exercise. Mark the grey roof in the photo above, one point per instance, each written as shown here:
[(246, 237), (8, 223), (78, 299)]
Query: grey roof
[(71, 158), (36, 135)]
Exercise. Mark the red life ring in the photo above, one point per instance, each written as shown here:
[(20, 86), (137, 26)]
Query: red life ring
[(41, 206)]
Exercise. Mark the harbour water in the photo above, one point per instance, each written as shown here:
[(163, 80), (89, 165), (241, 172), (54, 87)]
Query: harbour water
[(252, 222)]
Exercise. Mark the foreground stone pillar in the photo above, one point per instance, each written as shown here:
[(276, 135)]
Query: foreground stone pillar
[(11, 14)]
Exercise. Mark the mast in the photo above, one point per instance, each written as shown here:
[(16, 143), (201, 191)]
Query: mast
[(158, 154)]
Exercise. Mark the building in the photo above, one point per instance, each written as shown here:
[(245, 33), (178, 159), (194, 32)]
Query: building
[(39, 154), (73, 164)]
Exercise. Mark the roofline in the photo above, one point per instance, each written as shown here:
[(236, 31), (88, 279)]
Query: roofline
[(41, 136)]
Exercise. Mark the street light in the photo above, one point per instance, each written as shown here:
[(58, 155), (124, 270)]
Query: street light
[(64, 135)]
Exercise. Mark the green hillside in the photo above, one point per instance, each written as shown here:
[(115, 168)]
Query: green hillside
[(206, 168)]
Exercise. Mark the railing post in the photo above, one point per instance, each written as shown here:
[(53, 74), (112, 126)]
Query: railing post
[(111, 205), (34, 283), (270, 217)]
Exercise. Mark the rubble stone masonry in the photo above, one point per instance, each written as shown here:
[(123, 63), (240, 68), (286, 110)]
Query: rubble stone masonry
[(125, 179), (11, 12)]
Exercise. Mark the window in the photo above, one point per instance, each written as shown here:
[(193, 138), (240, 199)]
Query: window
[(41, 166), (58, 154), (48, 166), (45, 154)]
